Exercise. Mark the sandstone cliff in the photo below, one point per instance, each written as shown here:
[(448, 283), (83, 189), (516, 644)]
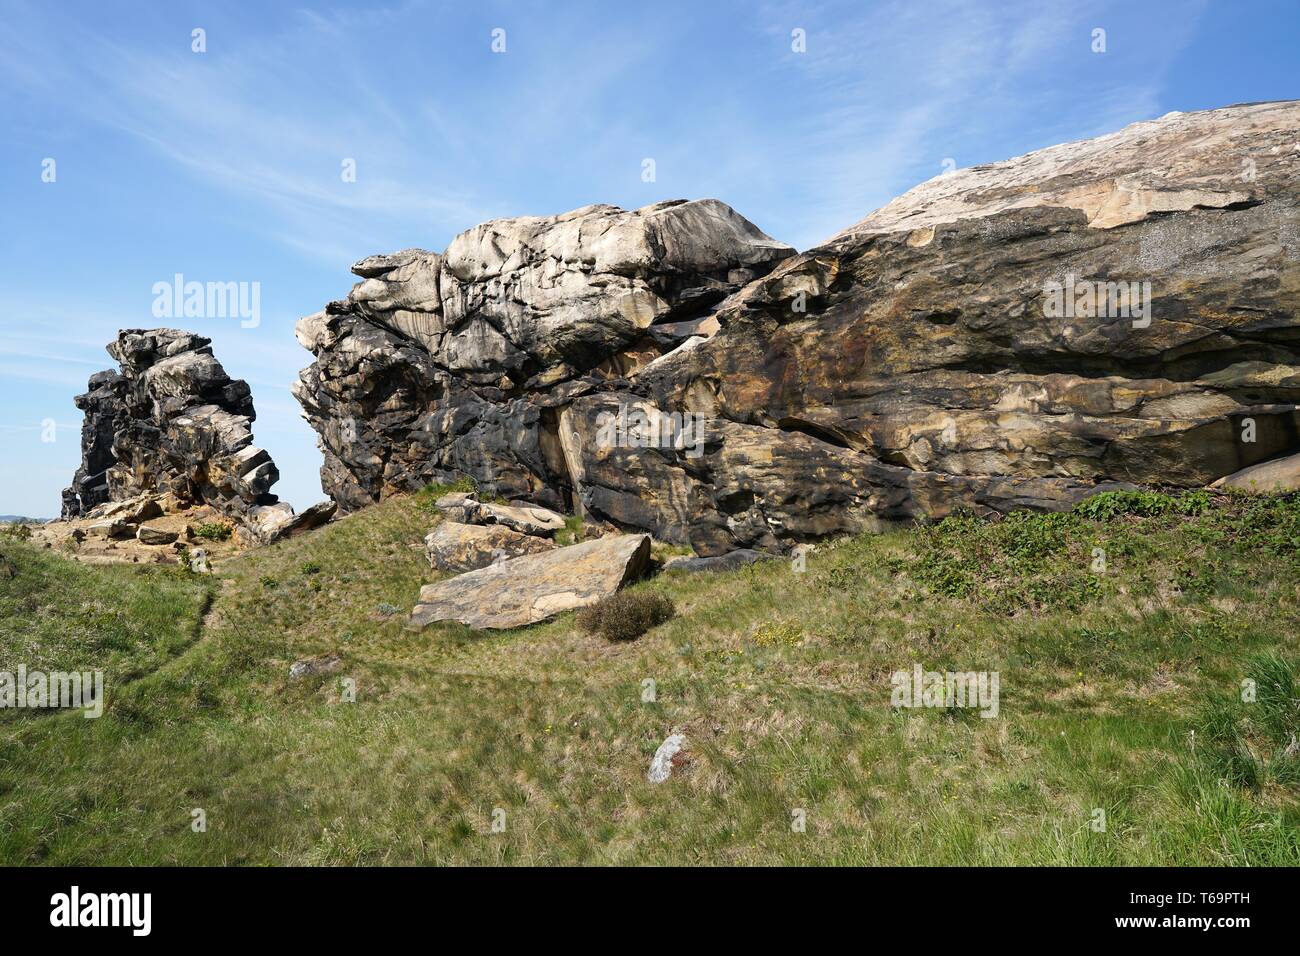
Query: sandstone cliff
[(439, 366), (1011, 335), (170, 422)]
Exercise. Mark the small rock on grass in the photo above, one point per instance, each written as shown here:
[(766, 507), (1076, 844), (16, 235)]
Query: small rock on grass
[(311, 666), (661, 767)]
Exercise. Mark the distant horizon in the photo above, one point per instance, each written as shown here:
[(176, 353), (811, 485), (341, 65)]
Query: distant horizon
[(299, 141)]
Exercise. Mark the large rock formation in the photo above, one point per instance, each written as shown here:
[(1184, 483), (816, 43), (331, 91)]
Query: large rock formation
[(1012, 335), (171, 422), (102, 406), (440, 366)]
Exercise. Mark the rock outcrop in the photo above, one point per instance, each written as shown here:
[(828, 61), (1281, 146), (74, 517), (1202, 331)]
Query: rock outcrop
[(441, 366), (170, 423), (1017, 335)]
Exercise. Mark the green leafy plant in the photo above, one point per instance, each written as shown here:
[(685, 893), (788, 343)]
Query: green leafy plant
[(778, 634), (214, 531)]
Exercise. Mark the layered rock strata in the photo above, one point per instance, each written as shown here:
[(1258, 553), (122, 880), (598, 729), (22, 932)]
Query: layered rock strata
[(1014, 335)]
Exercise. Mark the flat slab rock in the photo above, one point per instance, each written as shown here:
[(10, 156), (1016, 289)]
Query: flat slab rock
[(526, 519), (453, 546), (730, 561), (535, 587), (156, 536)]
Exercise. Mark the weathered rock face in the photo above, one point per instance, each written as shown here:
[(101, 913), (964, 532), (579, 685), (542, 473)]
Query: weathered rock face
[(439, 366), (170, 422), (102, 405), (1122, 310)]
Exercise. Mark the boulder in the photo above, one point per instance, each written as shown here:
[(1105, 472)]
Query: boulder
[(135, 509), (113, 528), (526, 519), (436, 367), (267, 523), (730, 561), (147, 535), (457, 547), (1107, 314), (532, 588), (1281, 474), (462, 507)]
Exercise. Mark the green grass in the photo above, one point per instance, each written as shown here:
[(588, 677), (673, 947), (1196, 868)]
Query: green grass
[(59, 616), (1121, 690)]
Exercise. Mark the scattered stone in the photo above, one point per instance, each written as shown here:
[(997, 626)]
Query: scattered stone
[(534, 587), (312, 666), (453, 546), (718, 562), (661, 767), (148, 535)]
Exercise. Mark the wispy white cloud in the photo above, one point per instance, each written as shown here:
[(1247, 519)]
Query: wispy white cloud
[(257, 125)]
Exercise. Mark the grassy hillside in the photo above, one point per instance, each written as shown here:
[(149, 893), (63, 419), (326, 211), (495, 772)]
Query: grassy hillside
[(1120, 691)]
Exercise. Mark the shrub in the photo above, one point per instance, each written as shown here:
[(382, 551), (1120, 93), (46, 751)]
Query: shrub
[(626, 615), (571, 533), (20, 532), (310, 567), (214, 531)]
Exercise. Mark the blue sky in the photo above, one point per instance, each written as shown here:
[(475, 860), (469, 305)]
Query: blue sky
[(226, 165)]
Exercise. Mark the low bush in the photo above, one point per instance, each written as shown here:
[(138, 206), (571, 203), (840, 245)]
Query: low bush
[(627, 615), (214, 531)]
